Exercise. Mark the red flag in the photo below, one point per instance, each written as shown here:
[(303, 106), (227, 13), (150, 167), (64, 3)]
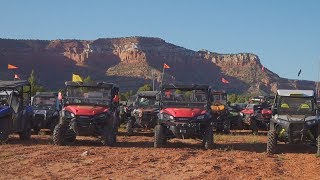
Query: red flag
[(262, 69), (10, 66), (224, 81), (166, 66), (16, 76)]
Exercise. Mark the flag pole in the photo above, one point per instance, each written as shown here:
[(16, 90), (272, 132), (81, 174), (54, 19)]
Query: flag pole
[(317, 86), (162, 76), (152, 80)]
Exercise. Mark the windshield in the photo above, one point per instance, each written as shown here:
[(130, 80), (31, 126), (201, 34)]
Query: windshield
[(296, 106), (181, 97), (44, 101), (219, 99), (147, 102), (250, 106), (88, 95), (4, 96)]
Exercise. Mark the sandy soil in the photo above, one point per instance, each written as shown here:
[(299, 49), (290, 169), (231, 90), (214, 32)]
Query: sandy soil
[(236, 156)]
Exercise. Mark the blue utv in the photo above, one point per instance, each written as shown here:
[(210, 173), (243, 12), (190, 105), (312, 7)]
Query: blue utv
[(15, 110)]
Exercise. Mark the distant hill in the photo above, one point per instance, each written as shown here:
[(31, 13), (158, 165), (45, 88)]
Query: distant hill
[(133, 61)]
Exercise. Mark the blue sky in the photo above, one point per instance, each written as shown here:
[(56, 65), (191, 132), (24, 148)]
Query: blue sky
[(285, 34)]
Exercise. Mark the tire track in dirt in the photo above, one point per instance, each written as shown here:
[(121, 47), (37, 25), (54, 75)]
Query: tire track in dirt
[(235, 157)]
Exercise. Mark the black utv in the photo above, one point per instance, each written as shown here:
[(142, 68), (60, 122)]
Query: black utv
[(15, 110), (45, 111), (184, 113), (145, 111), (295, 119), (89, 109)]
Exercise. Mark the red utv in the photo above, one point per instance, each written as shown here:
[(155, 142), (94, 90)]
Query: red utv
[(90, 109), (256, 117), (184, 113)]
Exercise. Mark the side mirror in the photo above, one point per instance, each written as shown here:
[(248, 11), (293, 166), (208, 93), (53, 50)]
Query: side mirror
[(158, 97), (274, 111)]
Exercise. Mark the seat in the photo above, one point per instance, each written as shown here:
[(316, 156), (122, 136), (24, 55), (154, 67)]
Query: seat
[(304, 107), (284, 106)]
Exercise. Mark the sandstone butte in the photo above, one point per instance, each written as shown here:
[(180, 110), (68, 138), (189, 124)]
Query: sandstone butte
[(133, 61)]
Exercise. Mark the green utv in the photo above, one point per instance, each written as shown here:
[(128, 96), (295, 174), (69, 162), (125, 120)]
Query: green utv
[(144, 111), (220, 110), (295, 119)]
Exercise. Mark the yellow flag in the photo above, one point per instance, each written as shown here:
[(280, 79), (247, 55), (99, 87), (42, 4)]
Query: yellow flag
[(76, 78)]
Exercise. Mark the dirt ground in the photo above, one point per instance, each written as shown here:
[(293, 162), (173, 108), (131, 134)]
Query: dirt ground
[(236, 156)]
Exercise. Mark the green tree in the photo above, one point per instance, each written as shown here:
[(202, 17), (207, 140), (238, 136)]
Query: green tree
[(146, 87), (241, 99), (35, 86), (87, 79), (126, 95), (178, 91), (232, 98)]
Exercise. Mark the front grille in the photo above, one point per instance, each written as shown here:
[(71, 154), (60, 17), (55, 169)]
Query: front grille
[(183, 119), (296, 127), (39, 116), (86, 121)]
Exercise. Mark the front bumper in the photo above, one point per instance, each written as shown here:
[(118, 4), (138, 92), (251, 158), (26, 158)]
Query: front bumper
[(297, 132), (147, 120), (86, 125), (191, 129)]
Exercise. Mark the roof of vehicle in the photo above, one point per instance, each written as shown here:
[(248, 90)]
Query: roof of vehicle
[(5, 93), (90, 84), (148, 93), (13, 84), (218, 92), (185, 86), (295, 93), (46, 94)]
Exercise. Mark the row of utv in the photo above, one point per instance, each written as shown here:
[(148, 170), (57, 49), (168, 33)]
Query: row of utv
[(176, 111)]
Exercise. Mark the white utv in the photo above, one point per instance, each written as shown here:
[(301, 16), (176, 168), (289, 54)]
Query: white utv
[(295, 119)]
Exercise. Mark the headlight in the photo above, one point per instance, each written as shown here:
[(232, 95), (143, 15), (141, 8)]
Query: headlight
[(282, 121), (311, 122), (137, 112), (102, 116), (166, 117), (55, 113), (200, 117), (68, 114)]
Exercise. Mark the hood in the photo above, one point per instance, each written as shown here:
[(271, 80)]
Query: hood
[(43, 107), (247, 111), (266, 111), (184, 112), (4, 110), (149, 109), (295, 117), (86, 110)]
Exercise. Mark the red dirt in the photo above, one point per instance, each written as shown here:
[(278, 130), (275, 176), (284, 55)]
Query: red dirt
[(237, 156)]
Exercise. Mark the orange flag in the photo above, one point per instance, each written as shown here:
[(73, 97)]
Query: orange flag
[(10, 66), (225, 81), (166, 66)]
